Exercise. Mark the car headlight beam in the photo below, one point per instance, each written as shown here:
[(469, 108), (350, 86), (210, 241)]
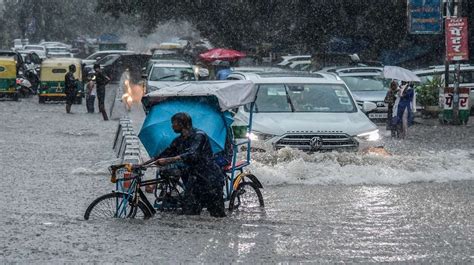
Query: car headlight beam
[(370, 136)]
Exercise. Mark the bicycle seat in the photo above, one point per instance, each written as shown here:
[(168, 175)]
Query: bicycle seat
[(238, 165)]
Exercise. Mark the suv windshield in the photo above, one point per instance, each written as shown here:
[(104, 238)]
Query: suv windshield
[(172, 74), (364, 83), (303, 98)]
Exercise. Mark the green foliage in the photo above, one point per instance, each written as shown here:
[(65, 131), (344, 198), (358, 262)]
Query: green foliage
[(428, 93)]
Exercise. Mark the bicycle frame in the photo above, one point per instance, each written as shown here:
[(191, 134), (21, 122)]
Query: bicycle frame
[(230, 180), (134, 192)]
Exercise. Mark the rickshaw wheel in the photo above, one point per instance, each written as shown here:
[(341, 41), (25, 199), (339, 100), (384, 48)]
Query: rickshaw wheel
[(41, 100), (105, 207), (15, 97), (246, 196)]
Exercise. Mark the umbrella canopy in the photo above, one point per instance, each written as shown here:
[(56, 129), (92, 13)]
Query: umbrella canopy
[(157, 134), (229, 94), (399, 73), (221, 54)]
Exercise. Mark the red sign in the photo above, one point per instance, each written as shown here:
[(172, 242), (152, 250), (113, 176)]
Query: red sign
[(457, 48)]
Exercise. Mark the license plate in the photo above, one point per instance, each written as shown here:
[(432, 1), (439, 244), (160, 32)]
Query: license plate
[(377, 115)]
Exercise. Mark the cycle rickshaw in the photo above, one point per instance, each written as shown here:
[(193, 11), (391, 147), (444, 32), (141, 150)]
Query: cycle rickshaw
[(209, 105)]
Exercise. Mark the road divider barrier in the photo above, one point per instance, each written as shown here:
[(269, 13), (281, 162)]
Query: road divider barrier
[(126, 143)]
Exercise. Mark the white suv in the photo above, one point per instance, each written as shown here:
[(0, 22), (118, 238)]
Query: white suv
[(308, 111)]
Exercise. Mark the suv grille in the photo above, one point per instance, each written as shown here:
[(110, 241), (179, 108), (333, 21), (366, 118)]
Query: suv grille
[(317, 141)]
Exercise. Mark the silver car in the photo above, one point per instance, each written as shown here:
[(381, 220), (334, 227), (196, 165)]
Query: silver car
[(366, 85)]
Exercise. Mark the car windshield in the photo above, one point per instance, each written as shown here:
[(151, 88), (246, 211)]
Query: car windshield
[(303, 98), (108, 59), (172, 74), (363, 83), (34, 48)]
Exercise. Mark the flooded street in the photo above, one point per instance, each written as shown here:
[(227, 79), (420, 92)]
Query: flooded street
[(415, 205)]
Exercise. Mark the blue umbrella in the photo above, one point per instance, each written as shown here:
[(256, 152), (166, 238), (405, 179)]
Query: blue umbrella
[(157, 134)]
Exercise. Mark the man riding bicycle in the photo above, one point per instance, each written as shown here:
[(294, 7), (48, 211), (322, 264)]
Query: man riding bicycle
[(204, 179)]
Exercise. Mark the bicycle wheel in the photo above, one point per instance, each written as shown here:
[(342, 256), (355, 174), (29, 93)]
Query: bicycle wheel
[(247, 196), (113, 205)]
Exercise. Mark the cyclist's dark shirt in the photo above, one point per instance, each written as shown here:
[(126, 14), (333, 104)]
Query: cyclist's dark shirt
[(196, 153)]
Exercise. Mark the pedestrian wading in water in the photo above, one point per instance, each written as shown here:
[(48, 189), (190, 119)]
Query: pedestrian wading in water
[(70, 87), (203, 178), (101, 80)]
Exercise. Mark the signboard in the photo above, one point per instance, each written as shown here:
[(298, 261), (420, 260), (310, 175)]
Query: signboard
[(424, 17), (457, 39), (463, 98)]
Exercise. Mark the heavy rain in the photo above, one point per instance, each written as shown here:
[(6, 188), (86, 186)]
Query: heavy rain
[(236, 131)]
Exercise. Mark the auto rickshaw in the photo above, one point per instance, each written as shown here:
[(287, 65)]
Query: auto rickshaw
[(8, 87), (52, 85)]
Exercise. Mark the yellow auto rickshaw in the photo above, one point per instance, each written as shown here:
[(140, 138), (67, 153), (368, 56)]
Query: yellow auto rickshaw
[(53, 72), (8, 87)]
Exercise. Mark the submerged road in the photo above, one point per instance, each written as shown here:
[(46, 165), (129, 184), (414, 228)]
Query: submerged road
[(413, 206)]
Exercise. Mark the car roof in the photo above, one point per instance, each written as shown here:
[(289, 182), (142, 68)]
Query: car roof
[(113, 51), (441, 69), (289, 77), (171, 64)]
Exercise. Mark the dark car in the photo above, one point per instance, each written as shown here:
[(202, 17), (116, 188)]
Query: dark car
[(114, 65)]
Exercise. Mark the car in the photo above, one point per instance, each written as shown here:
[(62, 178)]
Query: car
[(366, 85), (91, 59), (466, 78), (306, 111), (256, 69), (167, 73), (287, 60), (40, 50), (55, 44), (301, 65), (58, 52), (115, 64)]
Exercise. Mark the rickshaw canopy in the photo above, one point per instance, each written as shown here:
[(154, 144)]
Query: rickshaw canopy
[(7, 67), (229, 94), (56, 68)]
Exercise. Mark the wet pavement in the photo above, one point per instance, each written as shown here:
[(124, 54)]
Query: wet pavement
[(414, 205)]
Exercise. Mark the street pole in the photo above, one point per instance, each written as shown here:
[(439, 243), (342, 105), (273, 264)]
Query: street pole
[(457, 76)]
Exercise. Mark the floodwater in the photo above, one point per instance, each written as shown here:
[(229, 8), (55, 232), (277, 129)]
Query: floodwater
[(415, 205)]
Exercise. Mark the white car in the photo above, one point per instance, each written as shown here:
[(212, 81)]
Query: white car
[(466, 78), (40, 50), (168, 73), (287, 60), (366, 84), (307, 111)]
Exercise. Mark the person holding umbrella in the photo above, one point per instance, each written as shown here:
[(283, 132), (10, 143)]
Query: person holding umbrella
[(403, 109)]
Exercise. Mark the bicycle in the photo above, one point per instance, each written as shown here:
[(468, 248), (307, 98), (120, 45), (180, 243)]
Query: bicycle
[(129, 201)]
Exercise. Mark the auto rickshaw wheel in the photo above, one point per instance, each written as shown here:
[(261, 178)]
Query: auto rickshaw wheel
[(79, 100), (15, 97), (41, 100)]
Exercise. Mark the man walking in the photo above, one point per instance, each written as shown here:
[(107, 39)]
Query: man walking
[(70, 87), (101, 80)]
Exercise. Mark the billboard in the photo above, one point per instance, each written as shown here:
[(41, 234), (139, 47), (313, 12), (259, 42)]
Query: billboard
[(425, 17), (457, 48)]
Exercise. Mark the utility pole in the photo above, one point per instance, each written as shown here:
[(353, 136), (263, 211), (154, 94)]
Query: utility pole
[(453, 10)]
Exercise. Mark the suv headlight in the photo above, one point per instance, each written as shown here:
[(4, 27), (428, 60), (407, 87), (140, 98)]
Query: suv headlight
[(258, 136), (370, 136)]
